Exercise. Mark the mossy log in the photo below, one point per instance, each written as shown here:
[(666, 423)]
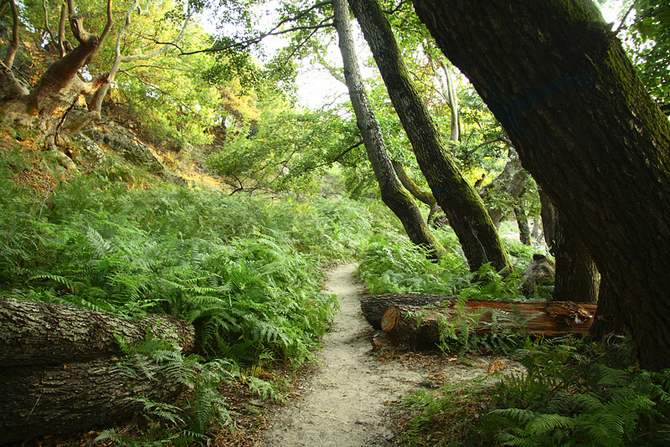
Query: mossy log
[(374, 307), (71, 398), (38, 333), (420, 326)]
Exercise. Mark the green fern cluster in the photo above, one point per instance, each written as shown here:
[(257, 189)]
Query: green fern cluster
[(573, 393), (241, 269), (392, 264)]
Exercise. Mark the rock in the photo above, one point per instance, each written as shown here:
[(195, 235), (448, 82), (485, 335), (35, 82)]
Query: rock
[(541, 271)]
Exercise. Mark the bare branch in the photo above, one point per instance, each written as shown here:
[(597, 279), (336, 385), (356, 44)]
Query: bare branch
[(103, 36)]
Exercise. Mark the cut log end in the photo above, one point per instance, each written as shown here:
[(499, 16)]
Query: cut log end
[(391, 318)]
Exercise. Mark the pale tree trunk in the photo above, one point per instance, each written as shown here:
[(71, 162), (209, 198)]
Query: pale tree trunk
[(60, 86), (397, 198), (10, 88), (459, 201), (585, 127)]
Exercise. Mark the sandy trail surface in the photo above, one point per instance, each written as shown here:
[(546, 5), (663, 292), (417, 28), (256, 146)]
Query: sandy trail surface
[(343, 403)]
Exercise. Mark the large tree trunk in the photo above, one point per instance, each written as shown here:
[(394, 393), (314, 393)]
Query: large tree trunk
[(576, 272), (44, 387), (420, 326), (584, 126), (375, 306), (59, 400), (397, 198), (38, 333), (459, 201)]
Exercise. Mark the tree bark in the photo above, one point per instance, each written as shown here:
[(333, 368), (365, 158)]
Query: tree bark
[(420, 326), (585, 127), (576, 272), (510, 183), (522, 222), (38, 333), (397, 198), (460, 202), (374, 307), (37, 401)]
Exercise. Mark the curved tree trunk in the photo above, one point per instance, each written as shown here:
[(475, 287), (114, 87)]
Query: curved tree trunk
[(38, 333), (397, 198), (585, 127), (460, 202), (60, 86)]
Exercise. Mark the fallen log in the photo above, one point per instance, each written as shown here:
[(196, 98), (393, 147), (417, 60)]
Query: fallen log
[(418, 326), (373, 307), (37, 401), (39, 333)]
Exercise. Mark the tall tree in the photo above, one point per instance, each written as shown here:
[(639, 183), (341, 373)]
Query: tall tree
[(394, 195), (458, 199), (587, 130)]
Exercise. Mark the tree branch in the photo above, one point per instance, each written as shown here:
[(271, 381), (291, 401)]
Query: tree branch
[(14, 44)]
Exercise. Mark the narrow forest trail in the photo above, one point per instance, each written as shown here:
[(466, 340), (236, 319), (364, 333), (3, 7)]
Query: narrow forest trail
[(342, 404)]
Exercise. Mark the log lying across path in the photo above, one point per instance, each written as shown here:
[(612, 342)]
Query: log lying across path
[(375, 306), (420, 325), (60, 370)]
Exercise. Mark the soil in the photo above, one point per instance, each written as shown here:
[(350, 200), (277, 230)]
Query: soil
[(344, 402)]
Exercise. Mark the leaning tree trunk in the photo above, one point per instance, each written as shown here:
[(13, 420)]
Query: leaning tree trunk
[(585, 127), (459, 201), (60, 86), (522, 222), (63, 368), (576, 273), (397, 198)]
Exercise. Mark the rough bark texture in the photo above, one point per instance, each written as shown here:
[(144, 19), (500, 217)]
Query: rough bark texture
[(585, 127), (576, 271), (38, 333), (397, 198), (460, 202), (37, 401), (374, 307), (417, 326)]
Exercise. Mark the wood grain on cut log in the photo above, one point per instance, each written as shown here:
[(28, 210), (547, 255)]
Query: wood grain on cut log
[(418, 326), (374, 307), (38, 333), (37, 401)]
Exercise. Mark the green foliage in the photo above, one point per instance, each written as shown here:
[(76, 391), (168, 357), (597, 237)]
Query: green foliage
[(244, 270), (571, 394), (392, 264)]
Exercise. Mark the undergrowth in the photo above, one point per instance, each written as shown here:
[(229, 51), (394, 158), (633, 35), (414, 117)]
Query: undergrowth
[(572, 393), (247, 272)]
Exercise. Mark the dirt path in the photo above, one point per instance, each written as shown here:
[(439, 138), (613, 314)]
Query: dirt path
[(342, 405)]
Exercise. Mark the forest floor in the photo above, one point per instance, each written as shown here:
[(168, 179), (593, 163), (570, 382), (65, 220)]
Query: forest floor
[(346, 401)]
